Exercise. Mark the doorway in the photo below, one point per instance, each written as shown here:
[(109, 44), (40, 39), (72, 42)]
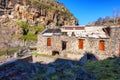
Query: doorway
[(102, 45), (63, 45), (81, 43), (119, 50)]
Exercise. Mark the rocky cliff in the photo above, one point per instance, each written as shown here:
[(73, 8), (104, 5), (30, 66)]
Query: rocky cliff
[(23, 19), (47, 13)]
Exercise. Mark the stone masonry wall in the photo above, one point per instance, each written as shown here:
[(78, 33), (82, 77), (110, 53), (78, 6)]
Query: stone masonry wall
[(90, 45), (115, 40)]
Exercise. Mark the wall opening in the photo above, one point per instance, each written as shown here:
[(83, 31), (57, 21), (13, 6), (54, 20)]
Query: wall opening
[(55, 53), (73, 34), (48, 41), (107, 30), (88, 57), (81, 43), (119, 50), (102, 45), (63, 45)]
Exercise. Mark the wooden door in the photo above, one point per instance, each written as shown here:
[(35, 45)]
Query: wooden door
[(49, 42), (119, 50), (81, 43), (101, 45)]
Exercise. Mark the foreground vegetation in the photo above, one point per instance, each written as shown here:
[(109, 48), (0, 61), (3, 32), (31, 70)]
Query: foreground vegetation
[(63, 69), (108, 69)]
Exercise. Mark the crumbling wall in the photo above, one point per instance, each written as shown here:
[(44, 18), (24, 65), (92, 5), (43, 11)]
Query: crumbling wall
[(42, 44), (115, 40), (90, 45)]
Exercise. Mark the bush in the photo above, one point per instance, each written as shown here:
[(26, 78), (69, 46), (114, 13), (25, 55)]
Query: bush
[(29, 36), (39, 28), (24, 26)]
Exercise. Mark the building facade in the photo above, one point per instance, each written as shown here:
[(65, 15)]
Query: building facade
[(99, 41)]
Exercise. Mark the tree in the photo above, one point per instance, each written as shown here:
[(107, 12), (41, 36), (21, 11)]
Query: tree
[(107, 20), (99, 21), (116, 15), (24, 26)]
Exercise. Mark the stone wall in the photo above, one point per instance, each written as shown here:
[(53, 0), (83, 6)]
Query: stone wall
[(43, 60), (12, 62), (90, 45), (115, 40)]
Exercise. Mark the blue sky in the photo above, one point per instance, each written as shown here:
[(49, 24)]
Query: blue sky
[(90, 10)]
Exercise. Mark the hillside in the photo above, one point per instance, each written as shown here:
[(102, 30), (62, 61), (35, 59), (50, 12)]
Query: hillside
[(107, 21), (24, 19), (42, 12)]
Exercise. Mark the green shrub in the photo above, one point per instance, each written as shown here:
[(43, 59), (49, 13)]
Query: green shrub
[(24, 26), (29, 36), (54, 77), (104, 69), (39, 28)]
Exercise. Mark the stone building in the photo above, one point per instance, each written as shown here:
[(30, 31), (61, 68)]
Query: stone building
[(75, 42)]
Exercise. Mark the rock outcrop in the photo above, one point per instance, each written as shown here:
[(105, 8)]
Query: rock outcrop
[(42, 12), (29, 14)]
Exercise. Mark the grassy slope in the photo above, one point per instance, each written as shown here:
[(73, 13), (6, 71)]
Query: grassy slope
[(108, 69)]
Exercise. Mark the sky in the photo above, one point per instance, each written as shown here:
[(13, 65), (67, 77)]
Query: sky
[(87, 11)]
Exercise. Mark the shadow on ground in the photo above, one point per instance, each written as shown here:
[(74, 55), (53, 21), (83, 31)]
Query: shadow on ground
[(61, 69)]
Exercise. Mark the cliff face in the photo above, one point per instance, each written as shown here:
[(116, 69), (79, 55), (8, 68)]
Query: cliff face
[(23, 19), (48, 13)]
